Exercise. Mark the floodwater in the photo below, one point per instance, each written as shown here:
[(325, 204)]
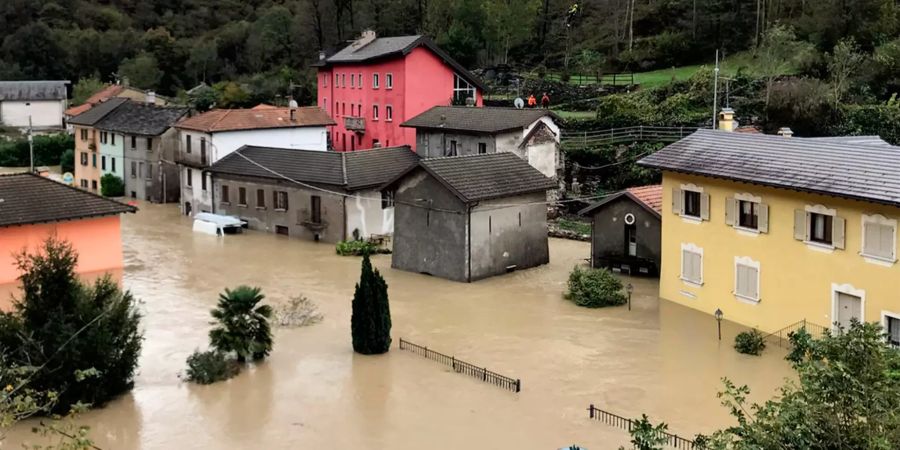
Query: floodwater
[(314, 392)]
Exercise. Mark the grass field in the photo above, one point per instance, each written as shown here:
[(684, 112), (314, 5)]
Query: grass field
[(574, 114)]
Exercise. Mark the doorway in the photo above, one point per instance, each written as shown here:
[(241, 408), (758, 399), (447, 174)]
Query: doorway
[(630, 239), (848, 307)]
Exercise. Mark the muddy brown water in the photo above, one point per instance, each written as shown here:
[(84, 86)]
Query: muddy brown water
[(314, 392)]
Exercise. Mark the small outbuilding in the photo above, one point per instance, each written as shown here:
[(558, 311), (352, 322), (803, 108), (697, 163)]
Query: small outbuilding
[(626, 230), (470, 217)]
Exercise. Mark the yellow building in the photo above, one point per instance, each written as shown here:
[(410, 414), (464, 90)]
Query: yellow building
[(773, 230)]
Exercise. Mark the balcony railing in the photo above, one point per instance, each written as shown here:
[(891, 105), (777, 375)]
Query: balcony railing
[(355, 123)]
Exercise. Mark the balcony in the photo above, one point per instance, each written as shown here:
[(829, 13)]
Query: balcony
[(357, 124)]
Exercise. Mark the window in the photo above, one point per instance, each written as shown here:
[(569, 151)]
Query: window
[(225, 198), (389, 80), (820, 226), (325, 104), (84, 158), (242, 196), (202, 145), (891, 324), (325, 80), (84, 183), (149, 171), (336, 81), (202, 181), (482, 148), (133, 169), (359, 80), (141, 169), (315, 209), (94, 185), (352, 81), (879, 236), (748, 214), (260, 198), (389, 113), (134, 142), (103, 136), (149, 144), (692, 204), (336, 110), (114, 139), (103, 162), (280, 200), (187, 143), (343, 108), (387, 199), (94, 159), (374, 81), (113, 164), (451, 149), (746, 278), (352, 110), (189, 178), (462, 90), (376, 143), (692, 264), (374, 112), (343, 80), (84, 136)]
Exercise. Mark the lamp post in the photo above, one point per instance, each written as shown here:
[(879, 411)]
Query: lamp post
[(629, 289), (719, 316)]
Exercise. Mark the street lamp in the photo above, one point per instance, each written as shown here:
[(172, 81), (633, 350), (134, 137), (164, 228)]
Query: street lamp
[(719, 316), (629, 289)]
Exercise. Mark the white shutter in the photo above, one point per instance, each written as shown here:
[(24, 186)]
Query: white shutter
[(677, 201), (704, 206), (837, 232), (887, 241), (753, 282), (730, 211), (800, 225), (763, 218)]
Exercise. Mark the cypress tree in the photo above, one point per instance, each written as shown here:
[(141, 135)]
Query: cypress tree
[(370, 323)]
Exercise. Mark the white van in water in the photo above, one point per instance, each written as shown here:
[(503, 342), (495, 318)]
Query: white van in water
[(217, 224)]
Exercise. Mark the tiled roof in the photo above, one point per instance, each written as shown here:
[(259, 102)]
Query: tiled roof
[(477, 120), (252, 119), (649, 197), (141, 118), (387, 47), (33, 90), (28, 198), (263, 107), (93, 115), (853, 140), (108, 92), (822, 166), (486, 176), (348, 170)]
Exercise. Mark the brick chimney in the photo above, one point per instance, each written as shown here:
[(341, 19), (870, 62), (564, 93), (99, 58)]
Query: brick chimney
[(785, 132), (292, 106), (364, 39)]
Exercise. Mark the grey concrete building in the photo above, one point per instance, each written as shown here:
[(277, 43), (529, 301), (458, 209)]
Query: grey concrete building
[(626, 230), (310, 194), (470, 217), (149, 143), (531, 134)]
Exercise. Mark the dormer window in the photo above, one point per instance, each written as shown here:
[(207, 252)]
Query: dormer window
[(462, 90)]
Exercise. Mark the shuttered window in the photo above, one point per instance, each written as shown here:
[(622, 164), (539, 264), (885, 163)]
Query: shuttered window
[(819, 225), (746, 279), (691, 264), (878, 237), (690, 202), (747, 212)]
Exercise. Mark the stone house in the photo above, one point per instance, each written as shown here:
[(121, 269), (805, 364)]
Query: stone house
[(531, 134), (43, 102), (626, 230), (313, 195), (470, 217), (143, 138)]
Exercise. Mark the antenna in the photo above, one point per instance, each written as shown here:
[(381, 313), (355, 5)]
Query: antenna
[(715, 90)]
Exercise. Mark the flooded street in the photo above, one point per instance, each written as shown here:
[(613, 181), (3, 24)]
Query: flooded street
[(314, 392)]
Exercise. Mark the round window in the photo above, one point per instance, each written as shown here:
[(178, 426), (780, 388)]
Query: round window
[(629, 219)]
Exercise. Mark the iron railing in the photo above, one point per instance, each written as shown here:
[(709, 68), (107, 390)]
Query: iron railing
[(463, 367), (615, 420), (781, 337), (626, 135)]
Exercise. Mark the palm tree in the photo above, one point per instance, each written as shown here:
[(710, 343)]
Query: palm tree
[(242, 327)]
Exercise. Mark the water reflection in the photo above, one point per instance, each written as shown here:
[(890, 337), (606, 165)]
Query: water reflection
[(314, 392)]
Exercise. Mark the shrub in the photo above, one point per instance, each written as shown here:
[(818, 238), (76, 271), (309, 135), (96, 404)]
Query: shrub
[(67, 161), (358, 247), (370, 322), (750, 342), (210, 367), (112, 186), (594, 288), (242, 327), (47, 150), (298, 312)]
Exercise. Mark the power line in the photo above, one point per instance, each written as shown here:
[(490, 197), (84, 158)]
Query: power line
[(615, 163)]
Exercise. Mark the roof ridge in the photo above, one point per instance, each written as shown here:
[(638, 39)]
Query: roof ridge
[(210, 127), (82, 191)]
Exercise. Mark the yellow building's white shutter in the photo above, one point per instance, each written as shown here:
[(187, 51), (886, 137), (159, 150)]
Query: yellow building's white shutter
[(763, 224), (800, 228), (838, 232), (677, 201), (730, 210), (704, 206)]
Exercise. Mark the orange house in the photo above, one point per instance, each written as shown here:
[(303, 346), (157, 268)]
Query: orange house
[(87, 143), (33, 208)]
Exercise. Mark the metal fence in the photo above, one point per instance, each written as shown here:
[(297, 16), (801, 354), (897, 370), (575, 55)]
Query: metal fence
[(672, 440), (626, 135), (781, 337), (464, 367)]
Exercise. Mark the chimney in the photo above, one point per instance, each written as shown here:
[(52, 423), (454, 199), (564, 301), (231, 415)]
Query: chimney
[(726, 120), (365, 38), (785, 132), (321, 55), (292, 105), (125, 81), (151, 97)]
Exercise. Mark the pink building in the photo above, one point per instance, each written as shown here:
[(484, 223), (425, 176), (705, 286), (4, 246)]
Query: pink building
[(374, 84)]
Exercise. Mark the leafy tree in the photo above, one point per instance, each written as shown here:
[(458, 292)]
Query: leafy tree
[(203, 60), (232, 95), (85, 88), (36, 51), (203, 99), (842, 64), (509, 24), (370, 322), (242, 324), (83, 341), (67, 161), (112, 186), (210, 367), (141, 71), (779, 53)]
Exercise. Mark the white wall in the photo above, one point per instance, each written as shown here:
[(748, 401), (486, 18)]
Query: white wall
[(364, 213), (302, 138), (543, 157), (44, 113), (549, 122)]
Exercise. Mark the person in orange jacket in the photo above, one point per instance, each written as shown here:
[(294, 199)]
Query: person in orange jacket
[(532, 102)]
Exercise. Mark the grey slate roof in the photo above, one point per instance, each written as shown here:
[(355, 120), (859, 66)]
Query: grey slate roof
[(858, 140), (27, 198), (33, 90), (348, 170), (141, 118), (477, 120), (97, 112), (388, 47), (485, 176), (861, 172)]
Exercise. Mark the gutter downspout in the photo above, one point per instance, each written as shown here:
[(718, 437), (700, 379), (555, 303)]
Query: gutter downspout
[(592, 242), (469, 243)]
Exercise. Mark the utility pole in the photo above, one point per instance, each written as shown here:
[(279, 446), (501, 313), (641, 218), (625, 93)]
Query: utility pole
[(715, 90), (31, 143)]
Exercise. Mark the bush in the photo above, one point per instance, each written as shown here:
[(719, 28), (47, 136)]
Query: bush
[(67, 161), (112, 186), (242, 327), (210, 367), (750, 342), (595, 288), (47, 150), (358, 248), (298, 312), (370, 322)]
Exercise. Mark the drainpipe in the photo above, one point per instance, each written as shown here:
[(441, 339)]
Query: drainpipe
[(593, 222), (212, 188), (469, 242)]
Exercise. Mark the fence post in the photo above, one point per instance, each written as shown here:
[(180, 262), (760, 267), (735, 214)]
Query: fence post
[(426, 352), (584, 139), (453, 362), (401, 343), (591, 410), (484, 374), (518, 385)]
